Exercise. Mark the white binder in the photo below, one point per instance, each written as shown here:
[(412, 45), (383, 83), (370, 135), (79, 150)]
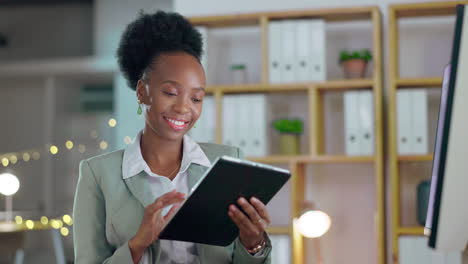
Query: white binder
[(318, 48), (366, 122), (418, 140), (415, 249), (228, 120), (274, 51), (404, 116), (351, 118), (288, 51), (303, 61), (282, 249), (259, 125), (243, 124)]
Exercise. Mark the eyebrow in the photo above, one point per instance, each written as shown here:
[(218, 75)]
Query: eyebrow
[(178, 85)]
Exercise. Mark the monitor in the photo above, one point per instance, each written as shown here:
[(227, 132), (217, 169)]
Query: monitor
[(447, 217)]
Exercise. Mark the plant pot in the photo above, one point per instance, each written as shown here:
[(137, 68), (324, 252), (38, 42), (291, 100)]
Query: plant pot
[(355, 68), (289, 144)]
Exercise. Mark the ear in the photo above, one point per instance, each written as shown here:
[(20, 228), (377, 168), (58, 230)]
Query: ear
[(142, 92)]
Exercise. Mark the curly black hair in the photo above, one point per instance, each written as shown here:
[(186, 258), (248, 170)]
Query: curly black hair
[(151, 35)]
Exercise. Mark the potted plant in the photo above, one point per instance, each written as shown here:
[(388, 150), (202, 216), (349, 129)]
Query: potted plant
[(355, 62), (290, 129)]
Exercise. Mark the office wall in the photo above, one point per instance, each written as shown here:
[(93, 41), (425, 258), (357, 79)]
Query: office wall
[(111, 17), (46, 31)]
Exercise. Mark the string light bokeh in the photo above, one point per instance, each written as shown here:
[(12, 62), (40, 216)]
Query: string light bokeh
[(64, 223), (13, 158)]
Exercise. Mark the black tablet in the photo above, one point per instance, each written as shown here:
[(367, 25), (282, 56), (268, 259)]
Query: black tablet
[(203, 217)]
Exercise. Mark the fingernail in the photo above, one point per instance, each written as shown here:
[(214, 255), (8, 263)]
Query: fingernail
[(253, 199)]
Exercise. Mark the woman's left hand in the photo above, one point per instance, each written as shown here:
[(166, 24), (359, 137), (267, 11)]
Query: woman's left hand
[(252, 223)]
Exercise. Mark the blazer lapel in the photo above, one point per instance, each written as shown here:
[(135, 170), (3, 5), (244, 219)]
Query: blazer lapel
[(139, 187), (195, 174)]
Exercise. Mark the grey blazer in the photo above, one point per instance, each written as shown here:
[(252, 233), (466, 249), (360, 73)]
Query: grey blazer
[(108, 211)]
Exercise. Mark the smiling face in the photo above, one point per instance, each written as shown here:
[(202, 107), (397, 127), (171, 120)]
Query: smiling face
[(172, 94)]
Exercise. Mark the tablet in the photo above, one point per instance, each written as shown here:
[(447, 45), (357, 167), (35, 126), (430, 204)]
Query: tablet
[(203, 217)]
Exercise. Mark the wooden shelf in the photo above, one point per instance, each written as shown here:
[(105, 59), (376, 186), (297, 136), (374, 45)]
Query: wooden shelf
[(327, 85), (253, 19), (331, 14), (410, 158), (279, 230), (275, 159), (426, 9), (342, 159), (345, 84), (256, 88), (429, 82), (413, 231), (312, 160)]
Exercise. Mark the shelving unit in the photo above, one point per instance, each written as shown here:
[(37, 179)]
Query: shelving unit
[(396, 13), (314, 91)]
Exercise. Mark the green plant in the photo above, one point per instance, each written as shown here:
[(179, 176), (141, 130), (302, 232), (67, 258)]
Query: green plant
[(290, 126), (364, 54)]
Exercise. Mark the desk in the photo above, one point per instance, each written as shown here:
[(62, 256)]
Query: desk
[(12, 237)]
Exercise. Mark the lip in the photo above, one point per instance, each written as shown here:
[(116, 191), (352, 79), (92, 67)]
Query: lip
[(174, 126)]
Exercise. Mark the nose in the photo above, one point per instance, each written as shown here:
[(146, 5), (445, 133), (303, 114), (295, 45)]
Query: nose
[(182, 105)]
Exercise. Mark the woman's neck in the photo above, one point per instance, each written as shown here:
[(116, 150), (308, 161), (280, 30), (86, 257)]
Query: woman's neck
[(162, 155)]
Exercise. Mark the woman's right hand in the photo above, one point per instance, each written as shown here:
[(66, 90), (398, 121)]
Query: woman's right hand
[(153, 222)]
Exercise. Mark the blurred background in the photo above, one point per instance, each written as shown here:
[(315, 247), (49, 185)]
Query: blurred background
[(62, 100)]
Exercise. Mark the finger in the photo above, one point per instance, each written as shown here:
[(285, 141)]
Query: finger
[(171, 212), (251, 212), (167, 198), (244, 222), (261, 209), (170, 196), (231, 212)]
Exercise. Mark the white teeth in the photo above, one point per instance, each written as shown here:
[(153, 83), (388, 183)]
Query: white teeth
[(177, 123)]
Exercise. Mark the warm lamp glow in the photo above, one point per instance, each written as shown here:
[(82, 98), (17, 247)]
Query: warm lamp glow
[(26, 157), (53, 150), (112, 122), (18, 219), (9, 184), (64, 231), (13, 159), (44, 220), (67, 219), (29, 224), (5, 162), (313, 223), (103, 145), (69, 144)]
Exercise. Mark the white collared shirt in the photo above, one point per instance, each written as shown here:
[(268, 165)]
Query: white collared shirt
[(172, 252)]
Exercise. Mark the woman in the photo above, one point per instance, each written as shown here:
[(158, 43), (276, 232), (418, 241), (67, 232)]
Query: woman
[(122, 198)]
